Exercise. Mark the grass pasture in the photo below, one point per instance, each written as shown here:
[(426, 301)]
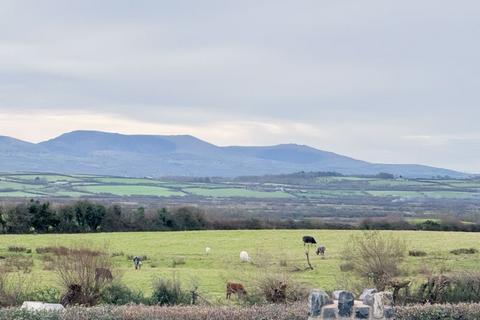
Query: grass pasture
[(77, 186), (266, 247)]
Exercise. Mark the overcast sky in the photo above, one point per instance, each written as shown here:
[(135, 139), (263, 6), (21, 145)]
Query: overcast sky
[(383, 81)]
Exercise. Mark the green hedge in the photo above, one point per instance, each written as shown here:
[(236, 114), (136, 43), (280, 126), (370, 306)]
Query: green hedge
[(462, 311), (264, 312)]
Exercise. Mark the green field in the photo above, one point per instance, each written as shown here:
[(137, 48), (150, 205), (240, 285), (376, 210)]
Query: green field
[(266, 248), (77, 186)]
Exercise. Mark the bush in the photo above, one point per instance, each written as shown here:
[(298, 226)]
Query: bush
[(18, 263), (452, 288), (118, 254), (280, 289), (142, 258), (265, 312), (13, 287), (439, 312), (464, 251), (119, 294), (169, 292), (55, 250), (346, 267), (177, 261), (78, 267), (375, 257), (50, 295), (417, 253), (17, 249)]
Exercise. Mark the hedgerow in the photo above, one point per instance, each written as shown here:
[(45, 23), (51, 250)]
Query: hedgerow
[(461, 311), (264, 312)]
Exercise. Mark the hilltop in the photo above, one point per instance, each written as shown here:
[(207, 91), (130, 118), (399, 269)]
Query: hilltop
[(105, 153)]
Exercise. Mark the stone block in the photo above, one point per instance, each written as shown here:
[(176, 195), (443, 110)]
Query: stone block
[(316, 301), (42, 306), (346, 301)]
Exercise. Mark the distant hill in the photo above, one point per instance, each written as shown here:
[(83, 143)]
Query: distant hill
[(183, 155)]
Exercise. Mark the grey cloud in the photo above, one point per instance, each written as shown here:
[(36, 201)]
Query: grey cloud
[(403, 68)]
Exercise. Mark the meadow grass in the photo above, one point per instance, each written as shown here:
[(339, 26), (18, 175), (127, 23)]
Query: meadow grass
[(325, 187), (127, 180), (269, 250), (236, 192), (130, 190)]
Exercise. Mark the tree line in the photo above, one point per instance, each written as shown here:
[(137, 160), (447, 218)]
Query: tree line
[(85, 216)]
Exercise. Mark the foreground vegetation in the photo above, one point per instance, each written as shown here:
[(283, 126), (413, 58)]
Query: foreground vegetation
[(271, 251), (268, 312)]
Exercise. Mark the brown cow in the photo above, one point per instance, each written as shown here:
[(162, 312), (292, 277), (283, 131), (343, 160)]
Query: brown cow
[(103, 274), (235, 288)]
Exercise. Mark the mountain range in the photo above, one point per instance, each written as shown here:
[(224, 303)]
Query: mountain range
[(103, 153)]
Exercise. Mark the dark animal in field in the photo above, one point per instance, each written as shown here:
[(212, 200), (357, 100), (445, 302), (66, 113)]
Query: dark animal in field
[(72, 296), (308, 240), (321, 251), (137, 262), (235, 288), (103, 274)]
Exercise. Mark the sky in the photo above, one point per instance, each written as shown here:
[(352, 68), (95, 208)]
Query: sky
[(382, 81)]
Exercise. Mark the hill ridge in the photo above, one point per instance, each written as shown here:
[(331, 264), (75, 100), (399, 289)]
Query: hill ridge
[(106, 153)]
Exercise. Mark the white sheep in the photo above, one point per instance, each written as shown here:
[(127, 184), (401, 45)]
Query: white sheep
[(244, 257), (207, 250)]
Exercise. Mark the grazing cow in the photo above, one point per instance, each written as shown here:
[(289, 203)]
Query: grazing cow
[(103, 274), (244, 257), (308, 240), (321, 251), (137, 262), (235, 288), (72, 296)]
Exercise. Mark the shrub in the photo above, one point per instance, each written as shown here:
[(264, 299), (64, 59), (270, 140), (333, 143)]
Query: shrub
[(346, 267), (12, 288), (18, 263), (118, 254), (169, 292), (120, 294), (177, 261), (264, 312), (452, 288), (375, 257), (142, 258), (464, 287), (50, 295), (464, 251), (17, 249), (417, 253), (279, 288), (79, 267), (438, 312), (55, 250)]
